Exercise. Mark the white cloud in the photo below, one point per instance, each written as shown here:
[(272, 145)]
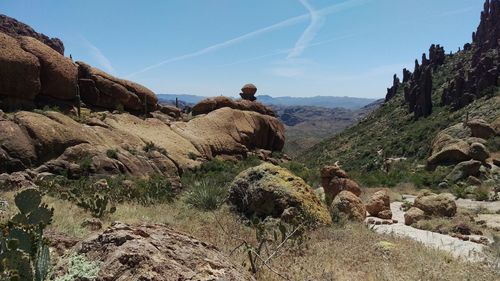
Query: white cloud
[(101, 59), (317, 20), (291, 21)]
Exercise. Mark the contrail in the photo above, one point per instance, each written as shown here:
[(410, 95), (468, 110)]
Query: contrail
[(103, 61), (308, 35), (291, 21)]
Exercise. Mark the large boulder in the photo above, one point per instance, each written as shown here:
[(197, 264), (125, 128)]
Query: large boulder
[(481, 128), (448, 150), (110, 92), (19, 71), (379, 205), (348, 205), (269, 190), (248, 92), (478, 151), (413, 215), (463, 170), (17, 145), (229, 132), (440, 205), (57, 73), (155, 252)]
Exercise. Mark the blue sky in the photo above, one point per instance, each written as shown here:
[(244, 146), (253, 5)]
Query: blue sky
[(285, 47)]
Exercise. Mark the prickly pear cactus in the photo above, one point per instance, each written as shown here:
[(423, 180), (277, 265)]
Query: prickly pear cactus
[(24, 254)]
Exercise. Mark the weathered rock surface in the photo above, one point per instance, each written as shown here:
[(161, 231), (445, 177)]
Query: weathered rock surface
[(210, 104), (481, 129), (248, 92), (378, 203), (441, 205), (156, 252), (269, 190), (57, 73), (101, 89), (349, 205), (463, 170), (413, 215), (14, 28), (228, 131), (478, 151), (334, 180), (19, 73)]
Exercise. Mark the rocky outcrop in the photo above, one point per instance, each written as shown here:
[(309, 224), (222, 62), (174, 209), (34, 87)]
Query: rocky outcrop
[(418, 91), (473, 81), (14, 28), (392, 91), (210, 104), (379, 205), (269, 190), (155, 252), (481, 129), (463, 170), (248, 92), (348, 205), (334, 180), (440, 205), (100, 89)]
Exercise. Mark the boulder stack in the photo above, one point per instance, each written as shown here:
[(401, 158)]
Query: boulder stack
[(334, 180), (248, 92), (379, 205)]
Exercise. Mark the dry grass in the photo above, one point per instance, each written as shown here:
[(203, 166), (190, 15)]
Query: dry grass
[(352, 252)]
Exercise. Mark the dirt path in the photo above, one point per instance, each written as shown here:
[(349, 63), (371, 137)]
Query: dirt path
[(464, 249)]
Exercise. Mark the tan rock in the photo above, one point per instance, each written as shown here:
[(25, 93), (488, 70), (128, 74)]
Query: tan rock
[(338, 185), (378, 203), (349, 205), (210, 104), (413, 215), (441, 205), (481, 128)]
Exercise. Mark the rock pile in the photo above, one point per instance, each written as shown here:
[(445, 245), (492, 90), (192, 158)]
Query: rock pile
[(334, 180)]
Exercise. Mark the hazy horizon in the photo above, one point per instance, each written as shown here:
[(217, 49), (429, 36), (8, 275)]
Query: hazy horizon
[(286, 47)]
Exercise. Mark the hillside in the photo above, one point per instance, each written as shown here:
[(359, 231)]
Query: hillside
[(443, 90)]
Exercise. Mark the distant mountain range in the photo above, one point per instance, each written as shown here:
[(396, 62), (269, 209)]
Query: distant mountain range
[(321, 101)]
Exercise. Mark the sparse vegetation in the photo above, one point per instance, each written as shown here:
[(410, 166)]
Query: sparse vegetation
[(80, 268), (206, 195), (151, 146), (112, 153)]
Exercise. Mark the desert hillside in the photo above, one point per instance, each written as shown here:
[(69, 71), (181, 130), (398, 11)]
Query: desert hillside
[(102, 180)]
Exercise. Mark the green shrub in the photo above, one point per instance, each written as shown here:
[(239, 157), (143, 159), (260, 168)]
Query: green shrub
[(206, 195), (459, 191), (482, 193), (311, 177), (151, 146), (112, 153)]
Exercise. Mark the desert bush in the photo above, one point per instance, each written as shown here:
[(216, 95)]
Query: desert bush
[(151, 146), (112, 153), (206, 195), (24, 252), (460, 191), (482, 193)]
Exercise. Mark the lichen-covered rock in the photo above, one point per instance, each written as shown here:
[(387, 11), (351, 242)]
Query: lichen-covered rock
[(155, 252), (464, 169), (440, 205), (378, 203), (269, 190), (413, 215), (348, 205)]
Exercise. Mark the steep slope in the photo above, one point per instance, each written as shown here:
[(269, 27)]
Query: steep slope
[(442, 91)]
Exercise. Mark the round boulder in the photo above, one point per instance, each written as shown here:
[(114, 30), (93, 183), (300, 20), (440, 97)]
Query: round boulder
[(481, 128), (479, 152), (413, 215), (463, 170), (269, 190), (440, 205), (349, 205), (336, 185)]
